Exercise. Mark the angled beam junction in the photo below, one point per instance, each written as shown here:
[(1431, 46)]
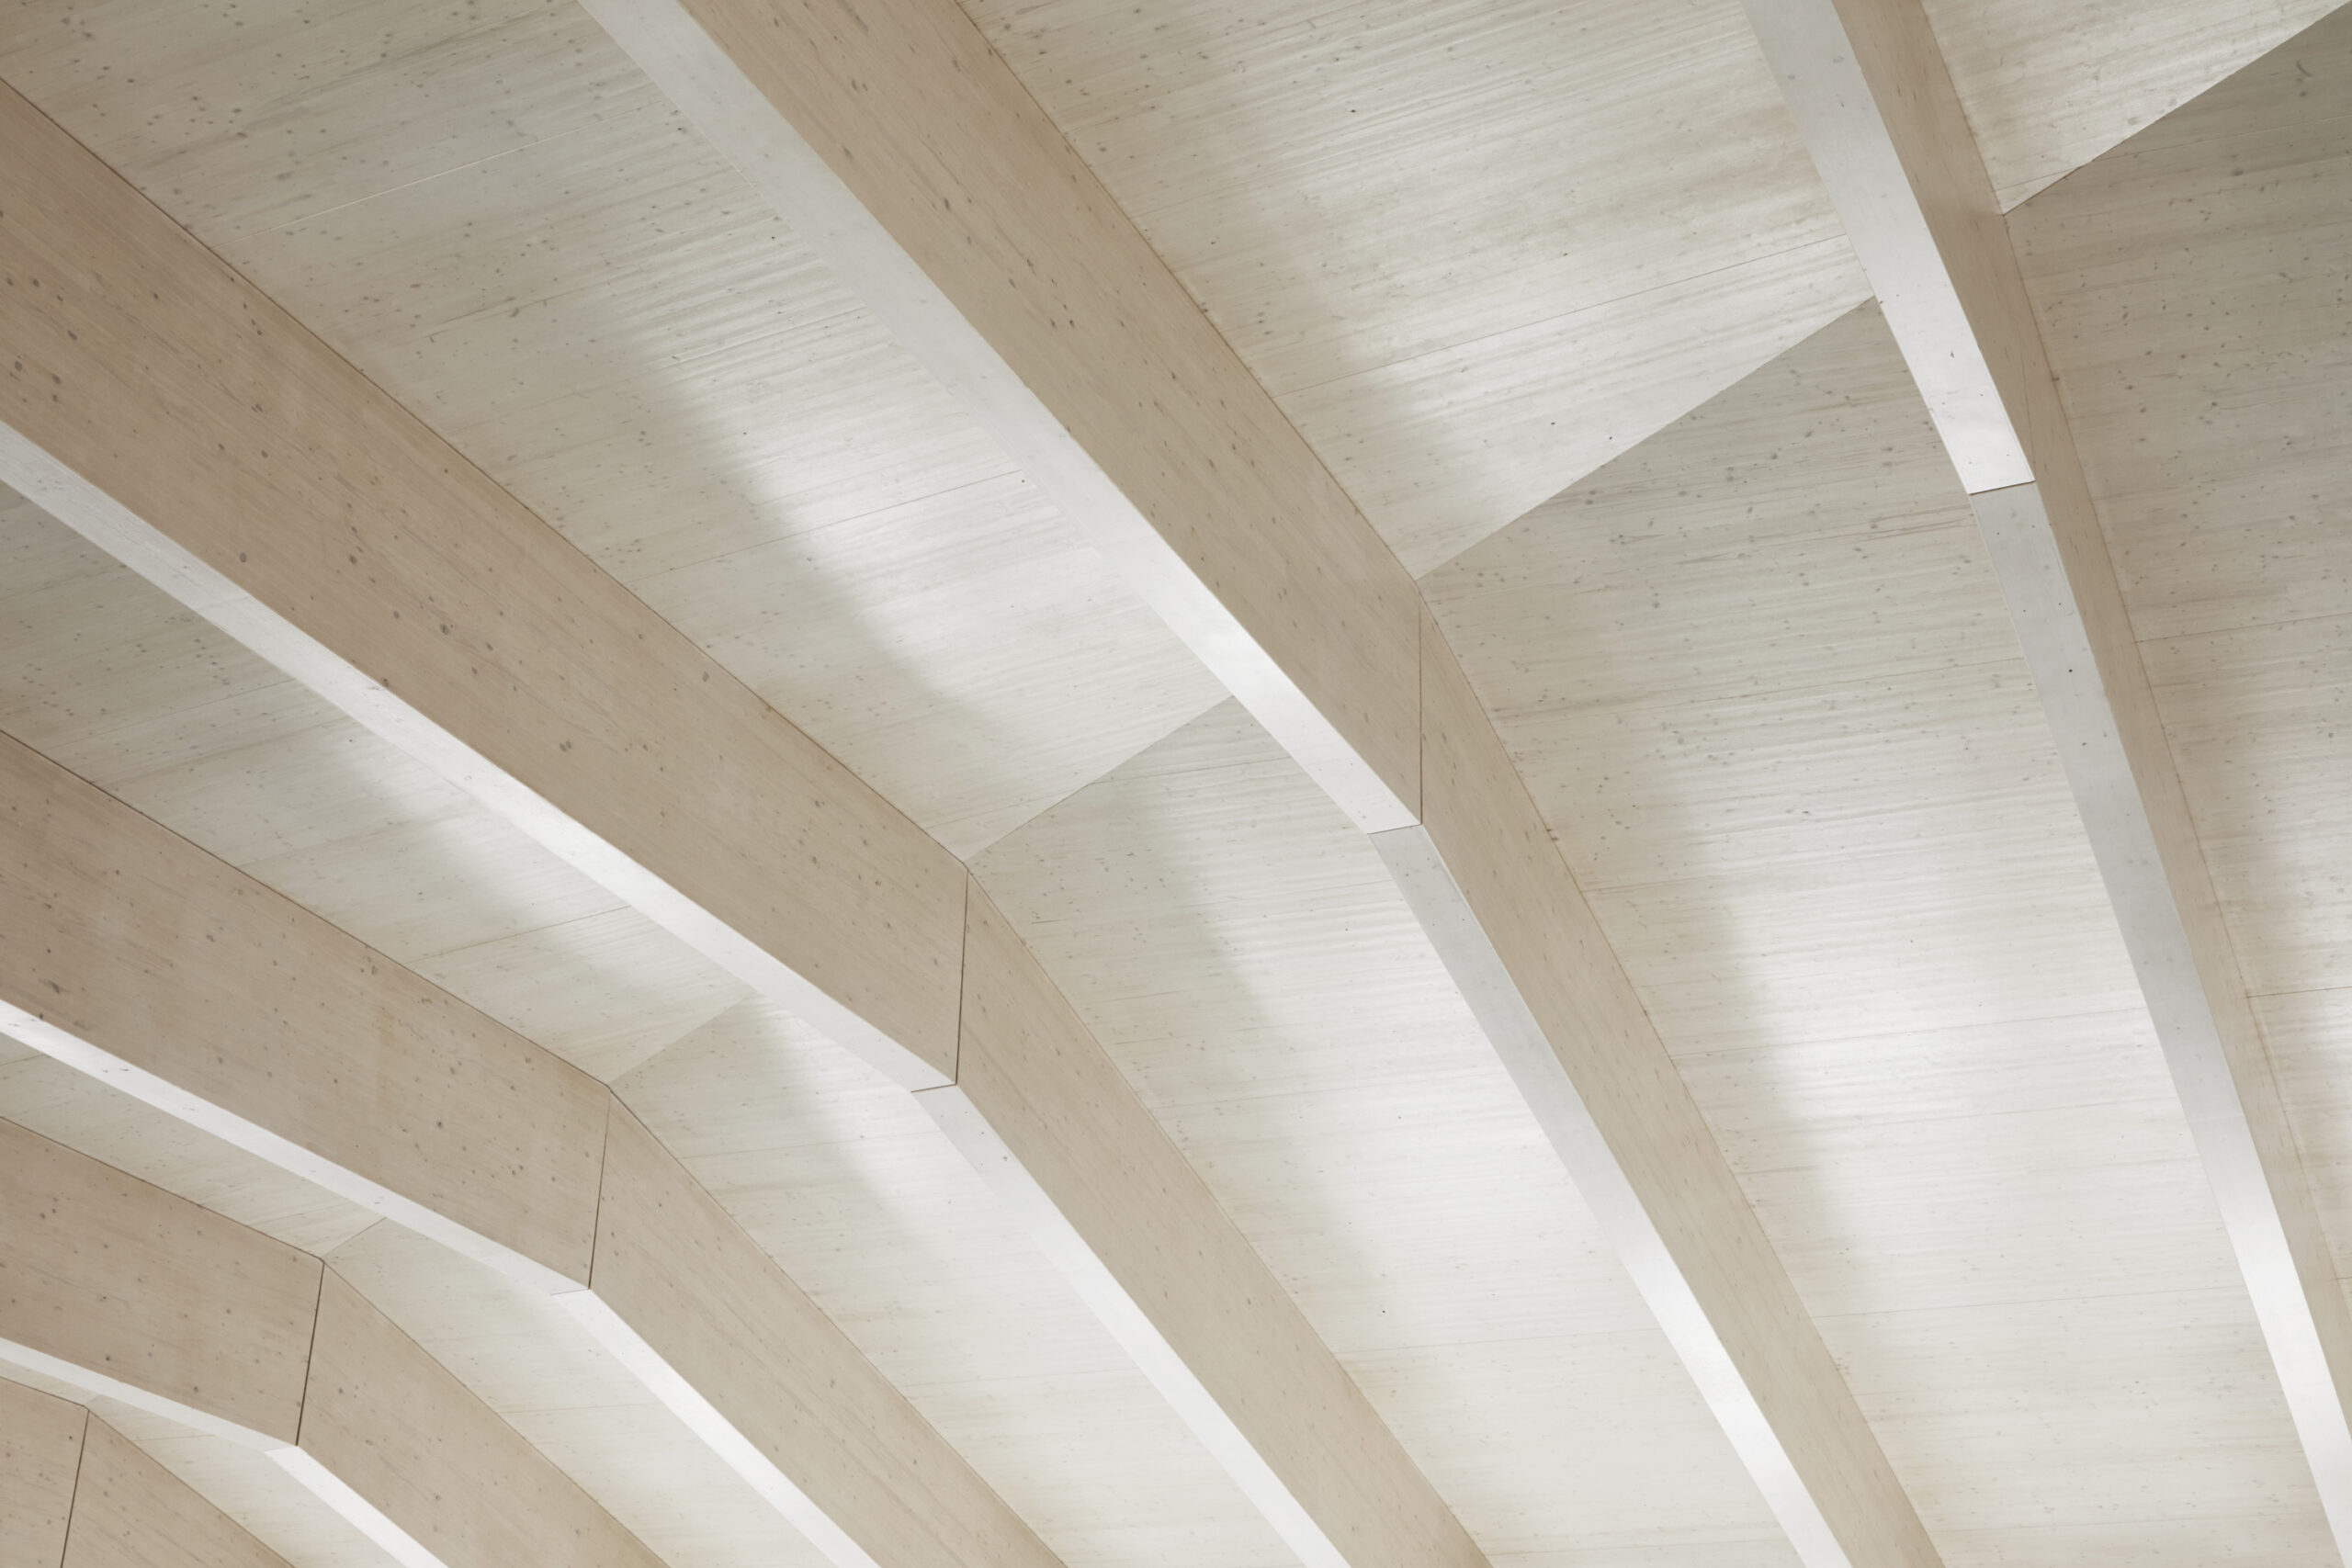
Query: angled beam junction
[(74, 1493), (1875, 103), (140, 959), (904, 151), (41, 1453), (156, 403), (123, 1289)]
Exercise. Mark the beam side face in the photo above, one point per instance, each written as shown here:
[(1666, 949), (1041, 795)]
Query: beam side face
[(1959, 296), (130, 1512), (905, 152), (904, 207), (870, 1480), (391, 1424), (41, 1454), (158, 403), (174, 976), (1116, 1207), (129, 1287), (1515, 929), (146, 962)]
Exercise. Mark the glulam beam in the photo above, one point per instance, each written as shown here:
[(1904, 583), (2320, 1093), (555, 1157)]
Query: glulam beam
[(157, 403), (905, 151), (1867, 82), (130, 1512), (130, 953), (74, 1493), (40, 1450), (118, 1288)]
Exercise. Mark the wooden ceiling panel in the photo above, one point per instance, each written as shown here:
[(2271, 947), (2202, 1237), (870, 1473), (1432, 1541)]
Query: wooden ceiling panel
[(569, 285), (1243, 954), (528, 1358), (1758, 675), (2190, 287), (103, 673), (60, 1102), (244, 1484), (238, 117), (2050, 85), (853, 1187), (40, 1448), (1473, 249)]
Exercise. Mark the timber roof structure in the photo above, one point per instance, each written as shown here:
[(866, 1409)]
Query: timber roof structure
[(1064, 783)]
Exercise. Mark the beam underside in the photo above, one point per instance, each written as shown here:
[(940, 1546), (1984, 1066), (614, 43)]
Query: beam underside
[(301, 528), (1867, 84), (74, 1493), (146, 962), (1048, 309), (127, 1292)]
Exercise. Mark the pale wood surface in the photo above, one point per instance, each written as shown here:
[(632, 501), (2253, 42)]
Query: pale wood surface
[(523, 1355), (882, 134), (276, 800), (110, 677), (405, 1433), (130, 1512), (132, 940), (906, 923), (63, 1103), (2050, 84), (1760, 681), (1032, 1067), (467, 1120), (1772, 713), (673, 1263), (1907, 176), (847, 1182), (2190, 286), (41, 1452), (1297, 1036), (1541, 928), (584, 297), (145, 1287), (1609, 219), (549, 668), (1038, 318), (252, 1488)]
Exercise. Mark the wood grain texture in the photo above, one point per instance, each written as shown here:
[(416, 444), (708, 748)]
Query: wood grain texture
[(1721, 1291), (2188, 293), (583, 297), (967, 189), (2050, 87), (397, 1427), (1868, 83), (849, 1184), (2200, 255), (696, 1288), (1759, 677), (526, 1356), (956, 207), (120, 683), (1032, 1069), (250, 1485), (137, 945), (1472, 248), (485, 1141), (104, 1272), (130, 1512), (1375, 552), (513, 661), (41, 1453), (1245, 958)]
